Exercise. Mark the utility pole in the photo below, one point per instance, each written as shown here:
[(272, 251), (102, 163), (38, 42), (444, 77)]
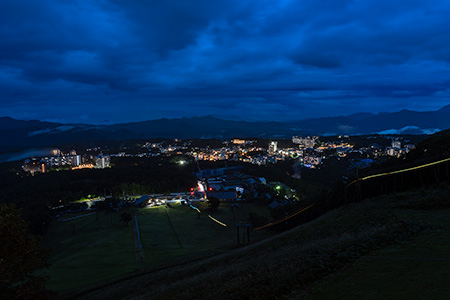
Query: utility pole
[(237, 231), (345, 179), (358, 185), (245, 232), (248, 234)]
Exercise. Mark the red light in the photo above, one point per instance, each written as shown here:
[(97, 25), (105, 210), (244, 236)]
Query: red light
[(210, 189), (192, 189)]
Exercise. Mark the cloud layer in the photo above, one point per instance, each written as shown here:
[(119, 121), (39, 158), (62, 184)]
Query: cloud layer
[(116, 60)]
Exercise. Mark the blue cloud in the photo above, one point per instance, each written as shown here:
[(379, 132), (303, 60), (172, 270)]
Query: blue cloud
[(126, 60)]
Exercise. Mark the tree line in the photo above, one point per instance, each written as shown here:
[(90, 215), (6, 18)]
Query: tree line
[(128, 176)]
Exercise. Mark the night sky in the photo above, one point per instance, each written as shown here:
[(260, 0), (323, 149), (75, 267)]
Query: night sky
[(109, 61)]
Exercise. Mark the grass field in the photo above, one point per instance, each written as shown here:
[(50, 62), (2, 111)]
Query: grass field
[(92, 249), (418, 269), (388, 247)]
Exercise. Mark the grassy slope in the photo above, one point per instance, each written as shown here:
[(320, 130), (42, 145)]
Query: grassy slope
[(417, 269), (103, 248), (288, 266), (99, 249)]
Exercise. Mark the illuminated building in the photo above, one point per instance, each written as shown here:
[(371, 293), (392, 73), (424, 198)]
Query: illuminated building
[(273, 147), (102, 161), (75, 160), (305, 142), (238, 141), (34, 166), (392, 151), (396, 144), (312, 161), (55, 152)]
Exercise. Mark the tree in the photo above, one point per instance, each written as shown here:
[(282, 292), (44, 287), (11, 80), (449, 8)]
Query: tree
[(19, 259), (126, 218)]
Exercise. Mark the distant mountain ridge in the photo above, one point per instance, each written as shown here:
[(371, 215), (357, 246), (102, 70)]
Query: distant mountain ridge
[(404, 121), (17, 133)]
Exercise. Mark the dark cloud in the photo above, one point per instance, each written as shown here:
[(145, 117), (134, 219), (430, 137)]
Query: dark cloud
[(87, 61), (168, 25)]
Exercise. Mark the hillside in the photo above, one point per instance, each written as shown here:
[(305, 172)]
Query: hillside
[(16, 134), (290, 265)]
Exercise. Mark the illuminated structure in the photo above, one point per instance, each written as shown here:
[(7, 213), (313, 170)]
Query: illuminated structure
[(34, 166), (392, 151), (55, 152), (102, 161), (75, 160), (62, 160), (238, 141), (305, 142), (312, 161), (84, 166), (273, 147), (396, 144)]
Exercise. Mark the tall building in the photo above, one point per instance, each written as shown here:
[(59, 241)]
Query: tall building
[(273, 147), (102, 161), (75, 160)]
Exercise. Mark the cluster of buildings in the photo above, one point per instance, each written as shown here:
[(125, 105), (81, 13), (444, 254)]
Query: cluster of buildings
[(305, 142), (308, 150), (162, 199), (70, 160), (215, 154), (162, 148), (244, 150), (397, 150), (303, 148), (58, 159), (225, 184)]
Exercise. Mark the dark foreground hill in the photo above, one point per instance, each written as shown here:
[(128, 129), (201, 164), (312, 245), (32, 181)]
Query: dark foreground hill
[(411, 227)]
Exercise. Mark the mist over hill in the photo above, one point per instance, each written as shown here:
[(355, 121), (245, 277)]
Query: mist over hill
[(17, 134)]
